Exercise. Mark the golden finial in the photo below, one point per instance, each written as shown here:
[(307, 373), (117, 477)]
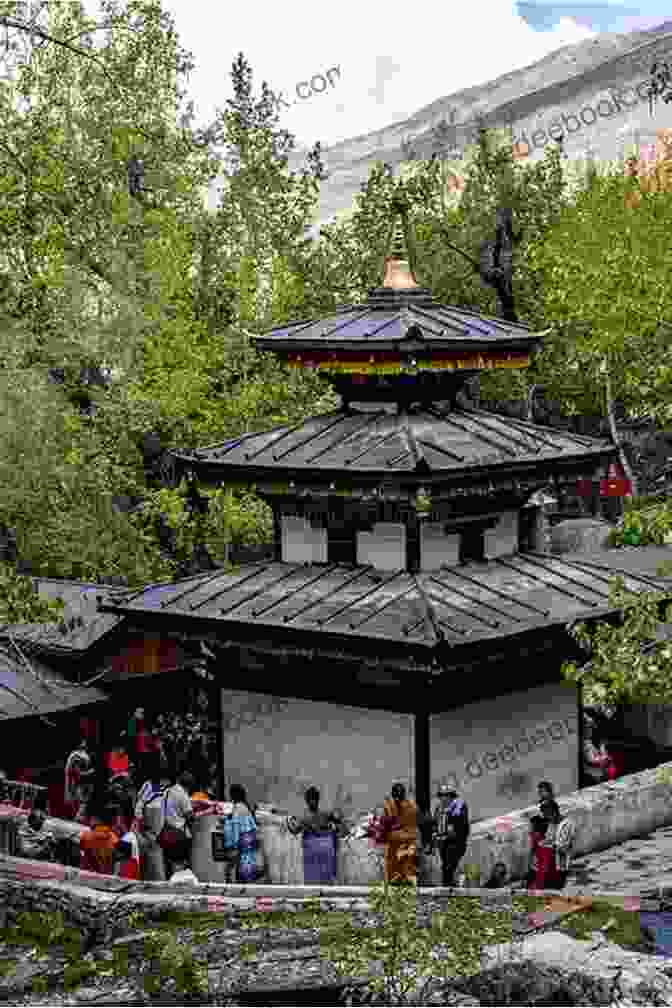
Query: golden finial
[(398, 271)]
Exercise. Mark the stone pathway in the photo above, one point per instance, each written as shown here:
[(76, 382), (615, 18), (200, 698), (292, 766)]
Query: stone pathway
[(631, 867)]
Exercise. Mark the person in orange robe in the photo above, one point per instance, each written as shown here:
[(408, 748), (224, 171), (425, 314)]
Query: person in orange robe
[(401, 836), (97, 845)]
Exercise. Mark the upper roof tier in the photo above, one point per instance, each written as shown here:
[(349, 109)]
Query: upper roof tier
[(405, 321), (423, 441), (401, 329)]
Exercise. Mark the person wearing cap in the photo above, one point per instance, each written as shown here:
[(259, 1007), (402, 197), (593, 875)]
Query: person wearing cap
[(451, 830)]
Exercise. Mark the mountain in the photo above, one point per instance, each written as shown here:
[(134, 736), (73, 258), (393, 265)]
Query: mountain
[(585, 92)]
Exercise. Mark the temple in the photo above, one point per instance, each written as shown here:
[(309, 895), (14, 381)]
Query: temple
[(413, 623)]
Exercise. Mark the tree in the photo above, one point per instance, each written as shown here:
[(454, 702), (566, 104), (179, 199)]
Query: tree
[(601, 277), (252, 267), (75, 243), (58, 484), (21, 603), (626, 665)]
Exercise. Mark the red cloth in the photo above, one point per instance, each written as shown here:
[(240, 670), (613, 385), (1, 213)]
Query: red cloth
[(543, 863), (142, 738), (616, 765), (117, 763), (130, 869)]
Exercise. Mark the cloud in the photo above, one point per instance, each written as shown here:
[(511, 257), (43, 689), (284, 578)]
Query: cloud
[(390, 67), (545, 15)]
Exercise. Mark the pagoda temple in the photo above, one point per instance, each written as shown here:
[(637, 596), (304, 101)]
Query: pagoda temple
[(412, 623)]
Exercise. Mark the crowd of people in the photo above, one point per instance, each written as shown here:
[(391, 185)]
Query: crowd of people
[(139, 813), (139, 826), (399, 824)]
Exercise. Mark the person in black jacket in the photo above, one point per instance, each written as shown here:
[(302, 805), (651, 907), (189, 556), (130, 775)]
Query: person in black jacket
[(451, 831)]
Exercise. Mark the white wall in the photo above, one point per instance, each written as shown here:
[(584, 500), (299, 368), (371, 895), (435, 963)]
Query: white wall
[(275, 747), (301, 543), (437, 549), (497, 751), (384, 547)]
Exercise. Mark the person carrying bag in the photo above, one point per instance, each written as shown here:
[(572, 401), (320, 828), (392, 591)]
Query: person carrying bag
[(178, 814), (149, 811)]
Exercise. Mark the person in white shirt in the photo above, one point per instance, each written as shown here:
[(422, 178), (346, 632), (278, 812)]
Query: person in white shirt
[(179, 807)]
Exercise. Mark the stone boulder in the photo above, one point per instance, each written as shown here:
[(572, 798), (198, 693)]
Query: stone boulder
[(622, 974), (578, 535)]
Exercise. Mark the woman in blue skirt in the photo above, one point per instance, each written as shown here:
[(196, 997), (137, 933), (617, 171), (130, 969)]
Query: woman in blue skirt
[(242, 829), (319, 831)]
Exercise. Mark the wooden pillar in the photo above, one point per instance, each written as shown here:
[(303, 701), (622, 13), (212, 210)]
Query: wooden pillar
[(216, 699), (277, 534), (412, 542), (422, 760)]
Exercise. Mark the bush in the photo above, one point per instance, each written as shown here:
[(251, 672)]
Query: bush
[(644, 527), (400, 959)]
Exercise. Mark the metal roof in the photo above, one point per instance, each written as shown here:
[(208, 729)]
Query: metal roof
[(28, 688), (456, 605), (424, 440), (80, 623), (389, 318)]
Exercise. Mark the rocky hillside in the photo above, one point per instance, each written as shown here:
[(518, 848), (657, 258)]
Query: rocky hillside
[(585, 92)]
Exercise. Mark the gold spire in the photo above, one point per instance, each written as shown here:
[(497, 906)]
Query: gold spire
[(398, 271)]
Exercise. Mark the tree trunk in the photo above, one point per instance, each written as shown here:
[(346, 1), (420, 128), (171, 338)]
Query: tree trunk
[(531, 392)]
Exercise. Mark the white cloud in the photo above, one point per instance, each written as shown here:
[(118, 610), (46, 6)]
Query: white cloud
[(390, 65)]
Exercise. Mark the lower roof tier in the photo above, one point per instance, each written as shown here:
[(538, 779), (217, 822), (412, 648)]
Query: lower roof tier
[(454, 606), (371, 440)]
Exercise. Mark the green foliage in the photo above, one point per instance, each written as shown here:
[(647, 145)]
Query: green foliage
[(644, 526), (44, 930), (623, 668), (401, 959), (75, 972), (601, 280), (20, 603), (622, 926), (168, 959), (39, 985)]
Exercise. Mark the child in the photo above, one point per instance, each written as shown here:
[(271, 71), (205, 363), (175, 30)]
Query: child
[(35, 840), (542, 870)]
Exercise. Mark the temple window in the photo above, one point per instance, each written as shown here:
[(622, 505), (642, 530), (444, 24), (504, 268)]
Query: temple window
[(302, 542), (384, 547), (438, 547)]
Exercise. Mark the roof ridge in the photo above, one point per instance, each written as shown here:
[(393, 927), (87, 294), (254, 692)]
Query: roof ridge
[(429, 615)]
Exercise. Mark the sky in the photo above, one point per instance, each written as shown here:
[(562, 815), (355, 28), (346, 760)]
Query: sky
[(384, 67)]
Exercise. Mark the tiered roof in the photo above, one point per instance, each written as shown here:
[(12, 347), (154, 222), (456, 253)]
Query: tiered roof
[(426, 440), (453, 606)]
